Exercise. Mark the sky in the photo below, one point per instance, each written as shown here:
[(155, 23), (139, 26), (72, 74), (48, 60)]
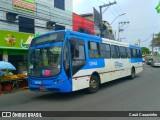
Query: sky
[(141, 14)]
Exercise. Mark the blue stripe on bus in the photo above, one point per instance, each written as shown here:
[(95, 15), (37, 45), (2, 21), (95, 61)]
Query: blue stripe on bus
[(135, 60), (136, 47)]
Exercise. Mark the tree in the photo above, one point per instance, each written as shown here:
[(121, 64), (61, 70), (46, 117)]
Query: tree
[(156, 41), (158, 8), (145, 50)]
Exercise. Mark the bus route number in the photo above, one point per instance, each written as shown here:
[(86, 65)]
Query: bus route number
[(93, 63)]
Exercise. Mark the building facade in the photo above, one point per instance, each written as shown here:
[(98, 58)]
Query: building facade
[(107, 31), (83, 25), (21, 20), (90, 17)]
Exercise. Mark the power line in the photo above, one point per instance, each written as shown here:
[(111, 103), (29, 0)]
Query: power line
[(100, 1), (147, 38), (102, 6), (122, 12), (107, 7)]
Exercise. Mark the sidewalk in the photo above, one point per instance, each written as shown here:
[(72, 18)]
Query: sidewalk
[(13, 91)]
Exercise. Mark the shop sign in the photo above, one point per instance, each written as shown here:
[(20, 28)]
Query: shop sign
[(27, 5), (12, 40)]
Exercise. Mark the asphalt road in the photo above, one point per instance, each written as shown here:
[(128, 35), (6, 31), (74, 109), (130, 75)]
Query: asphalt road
[(139, 94)]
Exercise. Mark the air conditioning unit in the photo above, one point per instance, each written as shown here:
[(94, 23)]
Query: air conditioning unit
[(50, 25), (11, 17)]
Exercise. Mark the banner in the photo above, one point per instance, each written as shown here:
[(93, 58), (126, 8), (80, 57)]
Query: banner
[(9, 39), (26, 5), (29, 114)]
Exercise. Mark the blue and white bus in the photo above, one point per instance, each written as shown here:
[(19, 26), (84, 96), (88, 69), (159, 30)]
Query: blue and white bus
[(66, 61)]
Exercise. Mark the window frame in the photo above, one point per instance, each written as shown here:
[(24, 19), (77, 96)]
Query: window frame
[(77, 42), (105, 50), (116, 51), (58, 4), (93, 50), (133, 53), (124, 52)]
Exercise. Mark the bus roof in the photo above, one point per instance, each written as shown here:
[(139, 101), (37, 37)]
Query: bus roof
[(105, 40), (84, 35), (109, 41), (133, 46)]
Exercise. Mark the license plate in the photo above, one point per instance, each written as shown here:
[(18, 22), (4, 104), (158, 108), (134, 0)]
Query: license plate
[(38, 82), (42, 88)]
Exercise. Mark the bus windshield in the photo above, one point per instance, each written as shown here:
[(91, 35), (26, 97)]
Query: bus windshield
[(45, 62)]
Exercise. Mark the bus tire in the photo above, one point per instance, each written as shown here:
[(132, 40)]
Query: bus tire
[(93, 85), (133, 73)]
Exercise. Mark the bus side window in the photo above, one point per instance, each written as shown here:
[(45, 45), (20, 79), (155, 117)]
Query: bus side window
[(105, 50), (77, 51), (123, 52), (94, 49)]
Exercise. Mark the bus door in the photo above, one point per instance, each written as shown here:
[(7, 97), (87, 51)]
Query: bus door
[(77, 55)]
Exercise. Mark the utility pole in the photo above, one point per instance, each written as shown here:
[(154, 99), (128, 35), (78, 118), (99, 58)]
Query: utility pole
[(152, 45), (139, 42), (121, 29), (100, 7)]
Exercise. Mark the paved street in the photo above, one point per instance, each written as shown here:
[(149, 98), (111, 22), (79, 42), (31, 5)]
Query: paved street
[(140, 94)]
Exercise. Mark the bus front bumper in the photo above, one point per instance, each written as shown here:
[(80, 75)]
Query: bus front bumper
[(64, 86)]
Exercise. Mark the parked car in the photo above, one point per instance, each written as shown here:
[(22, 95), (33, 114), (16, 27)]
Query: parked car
[(149, 61), (155, 63)]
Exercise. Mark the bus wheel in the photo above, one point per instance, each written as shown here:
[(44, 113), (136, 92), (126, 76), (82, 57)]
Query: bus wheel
[(93, 85), (133, 73)]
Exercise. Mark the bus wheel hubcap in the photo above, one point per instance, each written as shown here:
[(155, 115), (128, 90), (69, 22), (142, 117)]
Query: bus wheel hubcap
[(93, 84)]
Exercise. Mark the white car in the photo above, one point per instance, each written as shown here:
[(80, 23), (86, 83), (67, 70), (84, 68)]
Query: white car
[(155, 63)]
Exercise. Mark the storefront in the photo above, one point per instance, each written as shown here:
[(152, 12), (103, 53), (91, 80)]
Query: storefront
[(14, 49), (21, 20)]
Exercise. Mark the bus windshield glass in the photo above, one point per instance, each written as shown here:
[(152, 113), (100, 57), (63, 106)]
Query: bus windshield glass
[(48, 38), (45, 62)]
